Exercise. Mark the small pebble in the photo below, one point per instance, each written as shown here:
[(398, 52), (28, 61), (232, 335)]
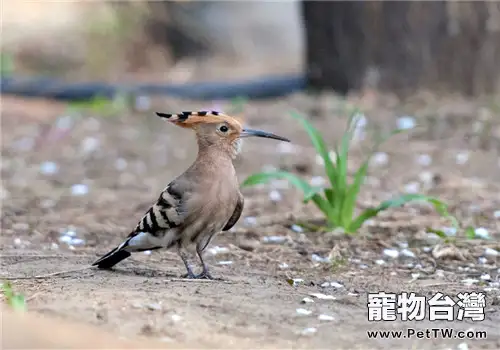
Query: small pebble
[(439, 273), (469, 281), (309, 331), (54, 246), (380, 158), (297, 228), (295, 281), (79, 190), (450, 231), (283, 266), (307, 300), (427, 178), (426, 249), (406, 122), (303, 312), (120, 164), (49, 168), (17, 241), (391, 253), (225, 262), (77, 241), (482, 260), (218, 250), (494, 284), (481, 232), (324, 317), (275, 239), (412, 187), (70, 232), (89, 145), (250, 221), (403, 245), (275, 196), (147, 252), (176, 318), (320, 259), (462, 346), (319, 160), (332, 284), (490, 252), (322, 296), (317, 181), (424, 160), (496, 214), (462, 158), (363, 266), (485, 277), (65, 239), (153, 306), (380, 262), (408, 253)]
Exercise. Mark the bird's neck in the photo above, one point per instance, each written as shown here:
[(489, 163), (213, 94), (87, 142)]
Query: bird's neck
[(220, 151)]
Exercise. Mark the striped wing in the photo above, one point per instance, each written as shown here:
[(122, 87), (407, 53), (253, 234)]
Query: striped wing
[(164, 214)]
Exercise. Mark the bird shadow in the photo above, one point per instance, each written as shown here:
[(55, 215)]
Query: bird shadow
[(141, 272)]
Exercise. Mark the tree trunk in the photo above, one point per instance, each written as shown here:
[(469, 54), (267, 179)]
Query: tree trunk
[(402, 46)]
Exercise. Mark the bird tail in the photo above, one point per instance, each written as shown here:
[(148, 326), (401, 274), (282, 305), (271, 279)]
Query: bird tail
[(137, 241), (112, 258)]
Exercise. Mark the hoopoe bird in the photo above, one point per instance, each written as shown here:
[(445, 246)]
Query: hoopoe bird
[(199, 203)]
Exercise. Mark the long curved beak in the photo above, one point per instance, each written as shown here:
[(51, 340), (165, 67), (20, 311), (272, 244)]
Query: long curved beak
[(260, 133)]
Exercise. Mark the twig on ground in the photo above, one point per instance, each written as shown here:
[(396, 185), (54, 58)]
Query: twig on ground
[(49, 275)]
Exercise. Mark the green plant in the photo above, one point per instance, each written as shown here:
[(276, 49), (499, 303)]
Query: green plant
[(13, 299), (338, 202)]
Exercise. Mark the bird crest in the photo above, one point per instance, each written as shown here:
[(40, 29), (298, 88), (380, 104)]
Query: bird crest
[(190, 119)]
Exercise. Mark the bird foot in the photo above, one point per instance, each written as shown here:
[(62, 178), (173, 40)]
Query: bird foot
[(189, 274), (204, 275)]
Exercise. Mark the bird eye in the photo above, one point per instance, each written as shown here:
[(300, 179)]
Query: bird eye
[(223, 128)]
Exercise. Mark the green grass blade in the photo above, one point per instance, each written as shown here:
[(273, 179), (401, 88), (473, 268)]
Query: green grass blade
[(342, 159), (319, 145), (352, 193), (310, 192), (399, 201)]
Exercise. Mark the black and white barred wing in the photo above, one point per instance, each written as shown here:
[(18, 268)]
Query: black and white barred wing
[(155, 230)]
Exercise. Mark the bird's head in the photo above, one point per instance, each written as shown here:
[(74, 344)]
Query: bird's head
[(217, 129)]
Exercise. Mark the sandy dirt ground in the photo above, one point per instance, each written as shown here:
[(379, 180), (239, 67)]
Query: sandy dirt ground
[(124, 161)]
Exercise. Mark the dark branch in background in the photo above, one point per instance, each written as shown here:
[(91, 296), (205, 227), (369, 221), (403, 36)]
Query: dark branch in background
[(260, 88)]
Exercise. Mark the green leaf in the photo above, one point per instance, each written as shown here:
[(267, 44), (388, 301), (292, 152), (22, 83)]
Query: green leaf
[(319, 145), (310, 192), (265, 177), (399, 201), (18, 302), (14, 300), (470, 233), (352, 194)]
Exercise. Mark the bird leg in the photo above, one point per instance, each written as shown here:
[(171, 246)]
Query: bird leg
[(204, 273), (184, 258)]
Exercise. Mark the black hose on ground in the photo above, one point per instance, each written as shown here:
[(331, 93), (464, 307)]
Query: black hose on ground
[(260, 88)]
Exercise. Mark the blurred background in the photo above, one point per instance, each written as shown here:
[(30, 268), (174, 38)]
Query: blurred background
[(83, 154)]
